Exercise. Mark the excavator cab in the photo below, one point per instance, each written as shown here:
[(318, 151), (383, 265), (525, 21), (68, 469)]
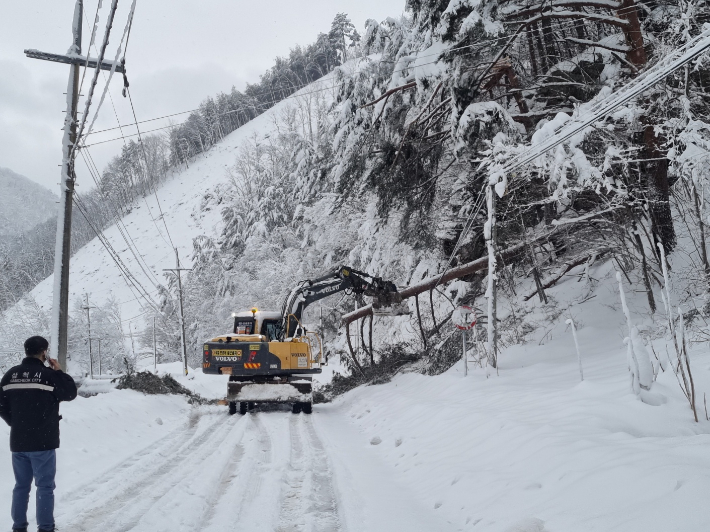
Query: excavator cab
[(272, 329)]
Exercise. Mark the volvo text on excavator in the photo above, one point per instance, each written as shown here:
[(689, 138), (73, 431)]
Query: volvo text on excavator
[(270, 357)]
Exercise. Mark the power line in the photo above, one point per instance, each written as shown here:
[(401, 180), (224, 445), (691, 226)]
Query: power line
[(99, 60), (133, 285), (603, 107), (122, 226), (115, 112), (113, 254), (91, 41), (110, 75), (96, 170), (145, 160), (561, 25), (127, 32), (145, 121), (122, 229)]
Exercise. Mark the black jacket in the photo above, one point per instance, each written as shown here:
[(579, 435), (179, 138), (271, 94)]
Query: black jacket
[(29, 402)]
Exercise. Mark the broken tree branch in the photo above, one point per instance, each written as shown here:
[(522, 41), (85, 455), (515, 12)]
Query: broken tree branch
[(390, 92), (475, 266), (419, 318)]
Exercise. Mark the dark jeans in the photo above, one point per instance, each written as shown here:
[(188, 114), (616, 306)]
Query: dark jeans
[(42, 466)]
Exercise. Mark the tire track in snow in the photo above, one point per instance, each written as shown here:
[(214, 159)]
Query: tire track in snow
[(138, 466), (292, 511), (229, 473), (325, 503), (188, 504), (307, 501), (240, 506), (122, 511)]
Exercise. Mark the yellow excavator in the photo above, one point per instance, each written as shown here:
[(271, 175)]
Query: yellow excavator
[(270, 357)]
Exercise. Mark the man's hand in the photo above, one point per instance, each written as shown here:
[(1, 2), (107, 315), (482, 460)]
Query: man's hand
[(54, 364)]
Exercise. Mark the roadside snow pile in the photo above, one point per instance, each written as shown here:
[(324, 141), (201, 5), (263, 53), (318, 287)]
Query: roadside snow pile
[(90, 387), (151, 384), (98, 434), (206, 386)]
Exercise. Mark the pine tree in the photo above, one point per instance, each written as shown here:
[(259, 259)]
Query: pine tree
[(342, 30)]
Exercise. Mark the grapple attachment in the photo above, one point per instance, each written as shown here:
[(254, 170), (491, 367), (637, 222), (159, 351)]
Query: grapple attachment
[(389, 304)]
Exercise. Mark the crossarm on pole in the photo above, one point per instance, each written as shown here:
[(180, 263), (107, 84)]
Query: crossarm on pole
[(72, 60)]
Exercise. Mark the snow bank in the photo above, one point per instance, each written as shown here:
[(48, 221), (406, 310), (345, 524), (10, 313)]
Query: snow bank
[(98, 433), (207, 386), (535, 449)]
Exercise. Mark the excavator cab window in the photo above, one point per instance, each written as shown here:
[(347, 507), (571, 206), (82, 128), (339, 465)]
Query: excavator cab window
[(243, 325), (272, 329)]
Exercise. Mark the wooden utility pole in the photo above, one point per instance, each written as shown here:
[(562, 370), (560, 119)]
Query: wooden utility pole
[(88, 308), (133, 347), (60, 305), (178, 269)]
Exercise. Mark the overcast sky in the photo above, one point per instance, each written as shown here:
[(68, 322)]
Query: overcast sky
[(180, 51)]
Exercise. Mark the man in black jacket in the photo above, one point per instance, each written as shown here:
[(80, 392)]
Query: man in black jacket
[(29, 402)]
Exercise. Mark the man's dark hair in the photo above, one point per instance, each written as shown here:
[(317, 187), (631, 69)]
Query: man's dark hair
[(35, 345)]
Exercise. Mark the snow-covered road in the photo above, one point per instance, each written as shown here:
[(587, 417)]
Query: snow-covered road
[(532, 449), (266, 471)]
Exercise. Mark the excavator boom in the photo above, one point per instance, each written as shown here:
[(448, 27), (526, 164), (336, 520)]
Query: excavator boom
[(385, 296)]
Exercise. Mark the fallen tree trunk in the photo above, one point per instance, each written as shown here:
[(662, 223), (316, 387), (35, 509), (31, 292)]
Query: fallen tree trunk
[(432, 282), (390, 93), (477, 265)]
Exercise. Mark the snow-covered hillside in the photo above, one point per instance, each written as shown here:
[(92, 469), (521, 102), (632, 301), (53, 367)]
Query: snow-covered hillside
[(23, 203), (144, 243)]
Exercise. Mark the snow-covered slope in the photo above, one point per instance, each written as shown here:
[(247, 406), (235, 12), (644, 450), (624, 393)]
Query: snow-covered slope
[(93, 271), (23, 203), (534, 448)]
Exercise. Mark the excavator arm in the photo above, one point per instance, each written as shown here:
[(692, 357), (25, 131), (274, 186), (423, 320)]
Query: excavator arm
[(384, 293)]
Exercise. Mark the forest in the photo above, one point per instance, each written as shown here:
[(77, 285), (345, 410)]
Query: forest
[(400, 162), (390, 170)]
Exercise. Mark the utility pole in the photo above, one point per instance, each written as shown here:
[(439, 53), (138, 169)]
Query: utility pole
[(155, 352), (465, 357), (88, 308), (99, 356), (60, 305), (178, 269), (133, 347), (491, 240)]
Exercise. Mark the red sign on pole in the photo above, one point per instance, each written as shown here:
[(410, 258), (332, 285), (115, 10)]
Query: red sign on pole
[(464, 318)]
